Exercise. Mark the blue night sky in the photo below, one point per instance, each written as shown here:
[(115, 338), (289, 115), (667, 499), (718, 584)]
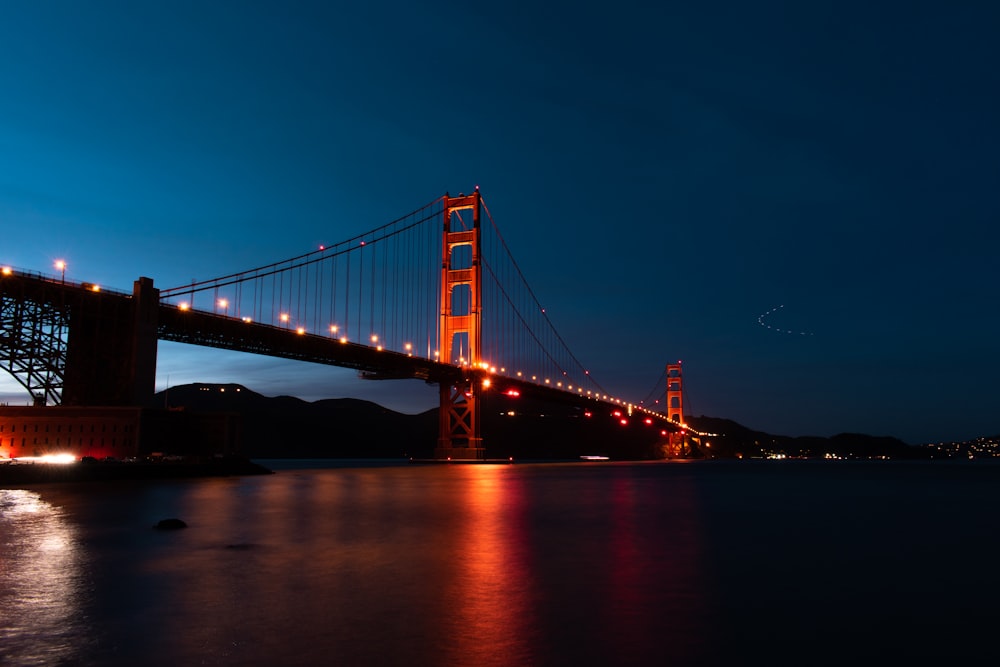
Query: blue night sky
[(664, 176)]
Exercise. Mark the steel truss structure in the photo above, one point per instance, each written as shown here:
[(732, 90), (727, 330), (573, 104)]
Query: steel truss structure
[(33, 342)]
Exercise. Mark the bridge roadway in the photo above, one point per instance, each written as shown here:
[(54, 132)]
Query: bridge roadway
[(231, 333), (113, 311), (207, 329)]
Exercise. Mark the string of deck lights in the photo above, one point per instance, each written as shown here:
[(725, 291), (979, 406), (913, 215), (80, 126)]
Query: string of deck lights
[(223, 303)]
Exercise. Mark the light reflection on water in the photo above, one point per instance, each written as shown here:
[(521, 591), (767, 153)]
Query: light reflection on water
[(450, 566), (488, 611), (414, 565), (562, 564), (42, 583)]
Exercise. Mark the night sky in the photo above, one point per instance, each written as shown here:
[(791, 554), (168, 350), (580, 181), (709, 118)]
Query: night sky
[(797, 199)]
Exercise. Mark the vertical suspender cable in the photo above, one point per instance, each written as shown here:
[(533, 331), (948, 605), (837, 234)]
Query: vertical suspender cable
[(372, 295), (347, 290)]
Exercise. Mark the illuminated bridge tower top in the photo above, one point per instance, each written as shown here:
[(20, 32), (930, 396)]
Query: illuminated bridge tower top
[(461, 318)]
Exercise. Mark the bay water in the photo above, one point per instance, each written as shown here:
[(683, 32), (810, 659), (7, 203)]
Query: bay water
[(565, 563)]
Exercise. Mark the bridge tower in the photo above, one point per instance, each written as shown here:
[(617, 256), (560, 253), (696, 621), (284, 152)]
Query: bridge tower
[(461, 316), (675, 397), (675, 408)]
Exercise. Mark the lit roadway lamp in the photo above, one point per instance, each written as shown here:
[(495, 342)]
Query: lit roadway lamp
[(284, 318), (61, 265), (224, 304)]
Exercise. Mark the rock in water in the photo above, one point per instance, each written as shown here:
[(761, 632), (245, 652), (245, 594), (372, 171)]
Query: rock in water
[(170, 524)]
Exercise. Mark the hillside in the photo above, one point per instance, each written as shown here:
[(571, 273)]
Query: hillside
[(288, 427), (735, 440)]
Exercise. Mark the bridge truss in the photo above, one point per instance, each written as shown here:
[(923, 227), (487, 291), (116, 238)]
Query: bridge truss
[(34, 324)]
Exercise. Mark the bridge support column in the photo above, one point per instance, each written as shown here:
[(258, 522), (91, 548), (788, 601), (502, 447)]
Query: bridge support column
[(144, 340), (459, 426), (111, 348), (461, 313)]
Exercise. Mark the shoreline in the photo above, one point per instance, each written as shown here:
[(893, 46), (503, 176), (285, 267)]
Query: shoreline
[(102, 471)]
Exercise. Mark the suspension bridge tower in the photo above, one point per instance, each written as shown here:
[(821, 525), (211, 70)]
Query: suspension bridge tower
[(675, 408), (461, 316)]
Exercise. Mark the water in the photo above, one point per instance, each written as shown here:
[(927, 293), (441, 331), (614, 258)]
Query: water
[(707, 563)]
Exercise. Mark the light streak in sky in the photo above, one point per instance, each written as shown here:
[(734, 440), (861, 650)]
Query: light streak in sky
[(763, 316)]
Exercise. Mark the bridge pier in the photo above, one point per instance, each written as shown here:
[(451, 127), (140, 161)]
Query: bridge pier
[(461, 453), (111, 348), (459, 427), (74, 344)]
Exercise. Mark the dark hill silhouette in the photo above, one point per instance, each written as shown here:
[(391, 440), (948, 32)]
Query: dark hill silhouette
[(737, 440), (522, 428), (285, 426)]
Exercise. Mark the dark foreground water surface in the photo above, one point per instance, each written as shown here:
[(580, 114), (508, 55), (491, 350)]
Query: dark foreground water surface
[(706, 563)]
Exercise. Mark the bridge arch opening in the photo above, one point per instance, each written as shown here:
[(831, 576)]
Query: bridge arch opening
[(461, 299), (461, 256)]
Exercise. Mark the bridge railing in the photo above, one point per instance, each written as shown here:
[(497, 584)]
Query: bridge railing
[(8, 270)]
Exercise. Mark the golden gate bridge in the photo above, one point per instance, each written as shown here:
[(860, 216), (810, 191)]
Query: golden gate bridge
[(435, 294)]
